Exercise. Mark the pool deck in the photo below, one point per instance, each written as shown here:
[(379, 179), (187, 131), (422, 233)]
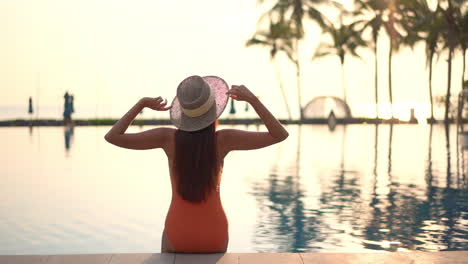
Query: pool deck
[(445, 257)]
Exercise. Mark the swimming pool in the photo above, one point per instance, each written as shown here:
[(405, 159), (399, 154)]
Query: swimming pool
[(358, 188)]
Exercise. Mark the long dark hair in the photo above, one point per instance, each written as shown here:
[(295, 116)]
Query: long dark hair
[(196, 163)]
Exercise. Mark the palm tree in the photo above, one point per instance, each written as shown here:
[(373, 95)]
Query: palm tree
[(422, 23), (345, 40), (293, 12), (434, 29), (455, 19), (462, 36), (384, 13), (450, 45), (372, 10), (277, 38), (390, 26), (447, 27)]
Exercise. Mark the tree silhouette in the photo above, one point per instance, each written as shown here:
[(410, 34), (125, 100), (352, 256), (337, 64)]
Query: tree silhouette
[(345, 40)]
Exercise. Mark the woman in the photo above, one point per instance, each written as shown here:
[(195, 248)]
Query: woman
[(196, 222)]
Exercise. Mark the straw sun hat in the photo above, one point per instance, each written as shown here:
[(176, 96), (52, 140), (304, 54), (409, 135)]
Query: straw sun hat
[(199, 102)]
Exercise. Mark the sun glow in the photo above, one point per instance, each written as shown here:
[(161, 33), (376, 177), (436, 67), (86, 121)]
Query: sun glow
[(401, 111)]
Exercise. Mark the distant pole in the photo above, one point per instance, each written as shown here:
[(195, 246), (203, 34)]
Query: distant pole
[(30, 109), (30, 106), (66, 109)]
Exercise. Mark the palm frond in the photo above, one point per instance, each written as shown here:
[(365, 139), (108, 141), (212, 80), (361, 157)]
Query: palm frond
[(323, 50), (256, 41)]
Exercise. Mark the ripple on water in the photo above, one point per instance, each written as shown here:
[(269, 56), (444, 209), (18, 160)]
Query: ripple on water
[(350, 190)]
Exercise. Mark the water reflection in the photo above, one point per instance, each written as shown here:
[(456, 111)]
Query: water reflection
[(429, 176), (463, 164), (30, 131), (358, 188), (409, 221), (447, 145), (68, 134), (395, 215), (375, 231), (284, 222), (339, 200), (390, 225), (461, 160)]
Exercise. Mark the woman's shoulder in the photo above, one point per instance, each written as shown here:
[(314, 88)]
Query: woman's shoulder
[(170, 132), (225, 137), (228, 132), (231, 133)]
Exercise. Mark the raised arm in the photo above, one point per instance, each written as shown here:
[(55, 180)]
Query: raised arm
[(153, 138), (235, 139)]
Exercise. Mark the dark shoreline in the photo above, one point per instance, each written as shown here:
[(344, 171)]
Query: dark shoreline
[(142, 122)]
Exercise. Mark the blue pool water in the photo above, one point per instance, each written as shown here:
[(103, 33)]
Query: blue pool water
[(355, 189)]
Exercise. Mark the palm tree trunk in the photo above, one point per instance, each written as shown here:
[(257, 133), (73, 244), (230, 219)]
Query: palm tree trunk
[(447, 97), (278, 73), (463, 72), (376, 82), (298, 77), (430, 86), (390, 76), (299, 97), (343, 85), (460, 103)]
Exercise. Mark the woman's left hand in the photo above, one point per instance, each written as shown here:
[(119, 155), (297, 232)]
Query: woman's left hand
[(157, 103)]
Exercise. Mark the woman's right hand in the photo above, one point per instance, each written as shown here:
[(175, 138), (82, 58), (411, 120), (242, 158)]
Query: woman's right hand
[(157, 103), (241, 93)]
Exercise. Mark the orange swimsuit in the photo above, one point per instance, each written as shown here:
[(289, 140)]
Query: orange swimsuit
[(196, 227)]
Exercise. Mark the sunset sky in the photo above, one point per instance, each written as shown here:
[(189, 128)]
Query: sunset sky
[(112, 53)]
